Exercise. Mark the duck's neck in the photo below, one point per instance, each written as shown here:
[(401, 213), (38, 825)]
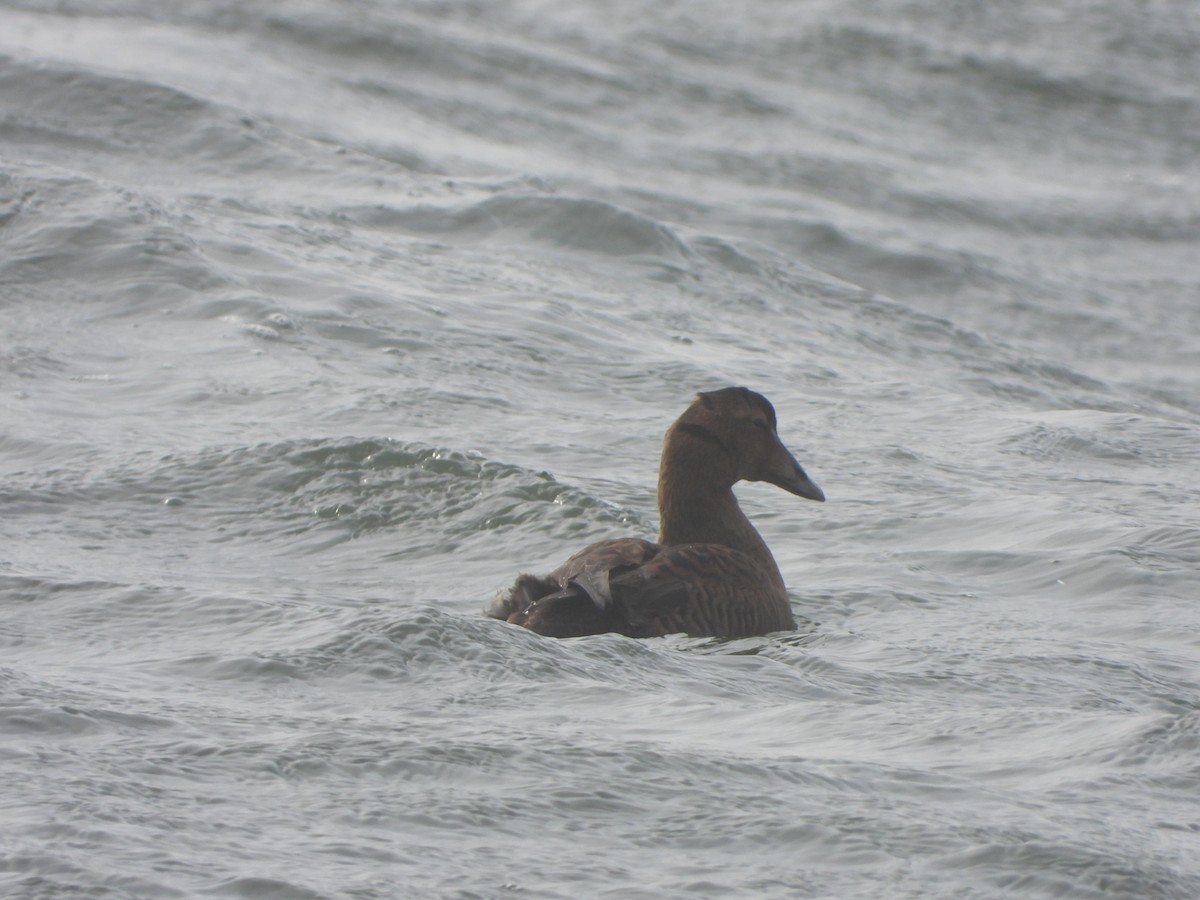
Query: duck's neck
[(694, 510)]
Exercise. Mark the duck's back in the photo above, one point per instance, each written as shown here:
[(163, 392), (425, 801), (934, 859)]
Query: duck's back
[(641, 589)]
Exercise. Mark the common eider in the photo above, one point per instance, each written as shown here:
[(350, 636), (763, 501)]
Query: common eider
[(711, 573)]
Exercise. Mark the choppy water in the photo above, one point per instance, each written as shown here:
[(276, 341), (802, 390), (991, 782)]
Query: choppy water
[(319, 321)]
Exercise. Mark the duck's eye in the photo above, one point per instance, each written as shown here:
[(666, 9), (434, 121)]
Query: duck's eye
[(760, 422)]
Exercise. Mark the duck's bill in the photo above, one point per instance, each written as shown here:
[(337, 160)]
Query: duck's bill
[(797, 482)]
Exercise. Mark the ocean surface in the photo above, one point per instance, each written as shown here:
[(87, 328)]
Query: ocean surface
[(320, 321)]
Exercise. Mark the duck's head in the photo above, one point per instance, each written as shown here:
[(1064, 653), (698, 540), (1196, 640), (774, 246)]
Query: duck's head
[(739, 425)]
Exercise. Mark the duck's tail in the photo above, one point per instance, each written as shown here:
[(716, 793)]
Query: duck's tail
[(540, 605), (526, 590)]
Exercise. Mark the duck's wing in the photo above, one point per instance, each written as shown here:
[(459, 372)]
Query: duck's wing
[(699, 589), (594, 567), (576, 598)]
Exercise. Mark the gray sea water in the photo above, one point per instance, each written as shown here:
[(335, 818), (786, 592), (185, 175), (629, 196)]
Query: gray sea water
[(321, 320)]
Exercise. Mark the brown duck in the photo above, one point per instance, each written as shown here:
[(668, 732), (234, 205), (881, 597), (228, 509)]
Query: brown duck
[(710, 572)]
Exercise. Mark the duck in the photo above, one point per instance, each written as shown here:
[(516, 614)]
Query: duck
[(710, 573)]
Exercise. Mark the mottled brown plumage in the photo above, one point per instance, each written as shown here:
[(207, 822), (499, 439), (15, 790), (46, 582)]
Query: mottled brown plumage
[(710, 572)]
